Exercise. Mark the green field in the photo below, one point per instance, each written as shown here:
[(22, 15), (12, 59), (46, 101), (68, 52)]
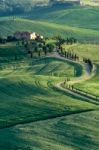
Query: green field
[(91, 51), (46, 29), (53, 21), (78, 131), (9, 51), (84, 50), (73, 16), (33, 85), (91, 86), (35, 114), (56, 21), (28, 94)]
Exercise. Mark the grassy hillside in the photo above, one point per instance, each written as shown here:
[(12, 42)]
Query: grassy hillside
[(72, 132), (90, 51), (91, 86), (28, 95), (51, 21), (84, 50), (9, 51), (35, 114), (32, 88), (9, 26), (84, 17), (48, 67), (73, 17)]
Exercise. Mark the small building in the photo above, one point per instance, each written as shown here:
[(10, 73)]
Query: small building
[(33, 36), (27, 35)]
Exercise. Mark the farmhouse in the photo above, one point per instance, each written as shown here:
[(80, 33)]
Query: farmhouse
[(27, 35)]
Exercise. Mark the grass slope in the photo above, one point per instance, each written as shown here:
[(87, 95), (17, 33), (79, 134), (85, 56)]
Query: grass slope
[(35, 98), (9, 51), (28, 94), (90, 51), (51, 21), (43, 66), (73, 132), (91, 86), (83, 17), (9, 26), (84, 50)]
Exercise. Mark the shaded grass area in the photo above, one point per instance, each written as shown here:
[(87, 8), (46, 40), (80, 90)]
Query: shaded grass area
[(44, 66), (79, 131), (26, 97), (10, 51)]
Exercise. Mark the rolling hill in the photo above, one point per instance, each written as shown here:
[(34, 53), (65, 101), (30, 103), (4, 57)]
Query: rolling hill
[(36, 113), (51, 21), (90, 50), (78, 131), (9, 26), (74, 16)]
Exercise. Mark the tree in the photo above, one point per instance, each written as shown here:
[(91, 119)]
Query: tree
[(39, 52), (50, 47), (45, 49)]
